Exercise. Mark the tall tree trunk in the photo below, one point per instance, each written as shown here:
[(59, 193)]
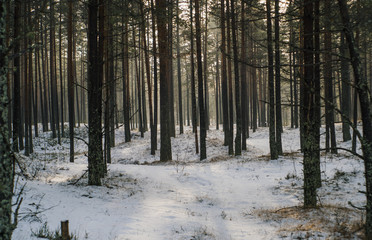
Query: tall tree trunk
[(310, 126), (61, 71), (125, 67), (203, 130), (154, 132), (17, 137), (345, 100), (179, 71), (361, 84), (205, 68), (170, 69), (278, 105), (165, 128), (243, 78), (6, 163), (226, 125), (53, 77), (70, 79), (328, 83), (148, 75), (238, 137), (193, 92), (273, 149), (318, 178), (229, 70), (95, 166)]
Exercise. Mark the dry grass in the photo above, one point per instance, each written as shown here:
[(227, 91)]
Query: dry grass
[(326, 222)]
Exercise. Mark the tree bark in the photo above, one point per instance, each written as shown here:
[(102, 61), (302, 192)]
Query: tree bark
[(365, 106), (273, 150), (95, 160), (203, 130), (165, 128)]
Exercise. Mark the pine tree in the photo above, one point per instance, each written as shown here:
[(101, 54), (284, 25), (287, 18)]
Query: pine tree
[(6, 163)]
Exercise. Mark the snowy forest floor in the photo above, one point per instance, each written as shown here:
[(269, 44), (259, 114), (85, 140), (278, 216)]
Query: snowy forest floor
[(223, 197)]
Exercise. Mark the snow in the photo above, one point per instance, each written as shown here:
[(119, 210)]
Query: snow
[(223, 197)]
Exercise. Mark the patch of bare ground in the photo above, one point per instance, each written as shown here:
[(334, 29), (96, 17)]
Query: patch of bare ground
[(325, 222)]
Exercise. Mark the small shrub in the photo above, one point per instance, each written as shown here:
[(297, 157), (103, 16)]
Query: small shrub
[(46, 233)]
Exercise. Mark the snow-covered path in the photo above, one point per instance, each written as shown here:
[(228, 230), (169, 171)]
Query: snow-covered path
[(188, 199)]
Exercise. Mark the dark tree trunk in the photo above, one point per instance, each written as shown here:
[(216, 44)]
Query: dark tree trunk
[(310, 126), (61, 71), (278, 105), (243, 78), (6, 163), (170, 68), (70, 79), (318, 178), (148, 75), (205, 68), (125, 69), (193, 92), (238, 137), (365, 105), (328, 83), (229, 70), (345, 99), (203, 130), (95, 161), (226, 125), (273, 150), (179, 71), (154, 132), (165, 128), (17, 137)]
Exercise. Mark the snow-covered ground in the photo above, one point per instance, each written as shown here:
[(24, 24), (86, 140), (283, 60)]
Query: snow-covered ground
[(223, 197)]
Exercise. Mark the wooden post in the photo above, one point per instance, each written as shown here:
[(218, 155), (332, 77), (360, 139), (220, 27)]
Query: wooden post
[(64, 230)]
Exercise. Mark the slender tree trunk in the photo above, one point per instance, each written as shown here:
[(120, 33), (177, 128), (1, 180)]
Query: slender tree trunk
[(203, 130), (17, 137), (165, 128), (95, 166), (243, 78), (328, 84), (170, 69), (193, 92), (310, 126), (6, 163), (318, 178), (226, 125), (205, 68), (70, 79), (148, 75), (154, 49), (229, 70), (365, 105), (125, 67), (273, 150), (238, 137), (179, 71), (345, 100), (61, 71), (278, 105)]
